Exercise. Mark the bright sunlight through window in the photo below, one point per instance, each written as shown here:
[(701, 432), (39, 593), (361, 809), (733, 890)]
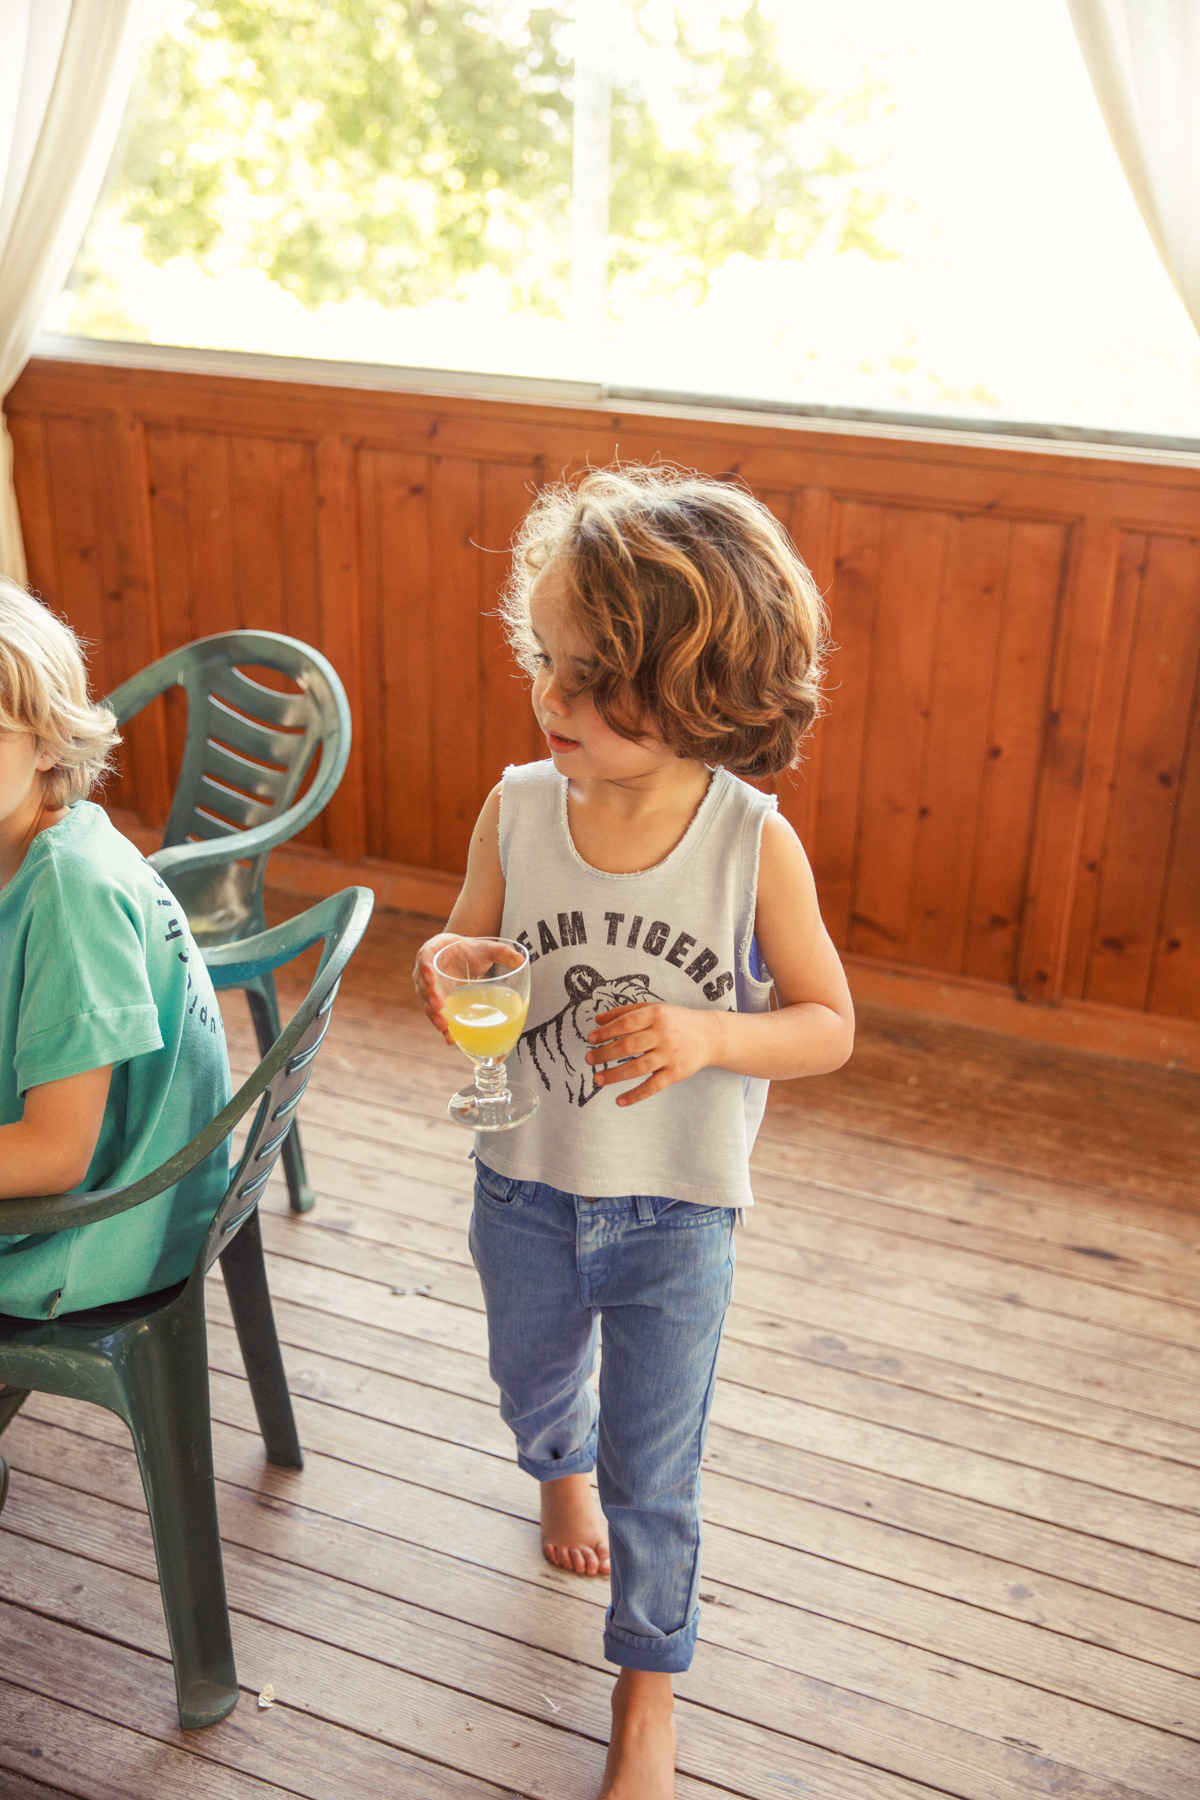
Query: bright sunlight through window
[(891, 205)]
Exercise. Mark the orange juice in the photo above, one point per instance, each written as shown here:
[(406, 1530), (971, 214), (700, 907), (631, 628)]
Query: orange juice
[(485, 1021)]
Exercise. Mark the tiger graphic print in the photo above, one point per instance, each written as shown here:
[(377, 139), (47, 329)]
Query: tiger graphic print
[(558, 1048)]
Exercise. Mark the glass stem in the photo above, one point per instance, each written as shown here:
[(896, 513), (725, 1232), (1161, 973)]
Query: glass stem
[(491, 1078)]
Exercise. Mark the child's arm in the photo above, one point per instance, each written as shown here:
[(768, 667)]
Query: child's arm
[(49, 1149), (478, 911), (811, 1033)]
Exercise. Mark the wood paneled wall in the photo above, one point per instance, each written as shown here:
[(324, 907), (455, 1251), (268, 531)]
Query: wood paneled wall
[(1006, 787)]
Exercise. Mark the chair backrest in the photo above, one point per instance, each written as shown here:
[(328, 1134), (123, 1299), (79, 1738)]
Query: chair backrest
[(290, 1062), (246, 753), (276, 1086)]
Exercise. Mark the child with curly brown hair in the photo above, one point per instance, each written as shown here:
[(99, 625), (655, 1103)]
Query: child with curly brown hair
[(674, 639)]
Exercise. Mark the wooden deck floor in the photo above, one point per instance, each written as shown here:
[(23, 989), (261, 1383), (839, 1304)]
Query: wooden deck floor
[(951, 1488)]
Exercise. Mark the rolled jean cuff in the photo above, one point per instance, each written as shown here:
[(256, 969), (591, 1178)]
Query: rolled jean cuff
[(670, 1655), (581, 1463)]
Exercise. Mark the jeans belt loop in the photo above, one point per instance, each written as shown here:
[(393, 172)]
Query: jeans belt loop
[(645, 1209)]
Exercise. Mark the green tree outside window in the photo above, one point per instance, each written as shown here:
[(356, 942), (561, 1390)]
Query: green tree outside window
[(391, 151)]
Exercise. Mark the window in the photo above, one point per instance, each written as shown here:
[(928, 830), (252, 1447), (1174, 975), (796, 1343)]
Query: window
[(895, 205)]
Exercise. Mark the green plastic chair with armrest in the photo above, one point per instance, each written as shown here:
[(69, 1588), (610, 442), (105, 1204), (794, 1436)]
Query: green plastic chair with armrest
[(247, 751), (147, 1360)]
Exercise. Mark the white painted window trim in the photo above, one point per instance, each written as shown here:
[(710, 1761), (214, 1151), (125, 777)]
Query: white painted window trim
[(591, 396)]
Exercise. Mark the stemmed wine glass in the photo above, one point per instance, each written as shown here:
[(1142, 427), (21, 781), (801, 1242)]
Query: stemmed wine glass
[(483, 984)]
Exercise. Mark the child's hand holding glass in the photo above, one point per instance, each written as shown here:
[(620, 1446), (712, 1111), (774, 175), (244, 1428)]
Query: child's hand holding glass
[(482, 989)]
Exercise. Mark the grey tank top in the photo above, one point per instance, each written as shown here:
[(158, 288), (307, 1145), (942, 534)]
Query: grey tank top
[(682, 933)]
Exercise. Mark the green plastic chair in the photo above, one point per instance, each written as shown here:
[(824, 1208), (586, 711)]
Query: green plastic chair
[(248, 749), (147, 1359)]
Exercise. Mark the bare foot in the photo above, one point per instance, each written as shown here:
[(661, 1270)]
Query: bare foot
[(641, 1751), (573, 1534)]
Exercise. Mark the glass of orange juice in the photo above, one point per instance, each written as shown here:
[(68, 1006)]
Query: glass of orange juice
[(483, 984)]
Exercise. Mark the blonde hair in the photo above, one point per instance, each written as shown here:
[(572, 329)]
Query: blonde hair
[(704, 626), (43, 690)]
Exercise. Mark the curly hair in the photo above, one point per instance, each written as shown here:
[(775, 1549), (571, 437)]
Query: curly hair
[(705, 629), (43, 690)]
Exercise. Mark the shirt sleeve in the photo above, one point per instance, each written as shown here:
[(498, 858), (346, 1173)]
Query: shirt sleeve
[(86, 999)]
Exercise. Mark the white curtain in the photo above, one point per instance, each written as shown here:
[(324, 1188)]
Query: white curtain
[(1144, 60), (65, 70)]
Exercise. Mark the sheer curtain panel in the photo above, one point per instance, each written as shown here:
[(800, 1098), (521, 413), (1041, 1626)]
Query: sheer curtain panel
[(1144, 60), (65, 70)]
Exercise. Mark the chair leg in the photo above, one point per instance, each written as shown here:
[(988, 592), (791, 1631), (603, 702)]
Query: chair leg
[(161, 1368), (246, 1284), (12, 1399), (264, 1011)]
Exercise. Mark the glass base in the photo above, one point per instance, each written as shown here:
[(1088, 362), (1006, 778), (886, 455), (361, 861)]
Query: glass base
[(476, 1111)]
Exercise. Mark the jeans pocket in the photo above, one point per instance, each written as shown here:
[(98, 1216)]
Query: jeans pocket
[(501, 1190), (686, 1215)]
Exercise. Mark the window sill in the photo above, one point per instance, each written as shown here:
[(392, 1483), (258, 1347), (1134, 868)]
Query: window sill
[(1000, 434)]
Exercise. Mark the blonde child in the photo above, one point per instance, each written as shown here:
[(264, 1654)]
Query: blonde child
[(674, 640), (112, 1054)]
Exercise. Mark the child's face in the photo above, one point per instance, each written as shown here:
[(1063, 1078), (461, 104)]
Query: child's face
[(580, 742), (22, 766)]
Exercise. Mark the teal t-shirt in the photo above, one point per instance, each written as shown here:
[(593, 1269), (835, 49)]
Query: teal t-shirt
[(97, 966)]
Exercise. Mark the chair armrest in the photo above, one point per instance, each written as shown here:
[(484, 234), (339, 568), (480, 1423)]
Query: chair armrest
[(63, 1212), (232, 965)]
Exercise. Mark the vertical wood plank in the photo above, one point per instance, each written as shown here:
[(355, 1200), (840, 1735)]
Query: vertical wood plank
[(1013, 752), (1175, 979), (171, 540), (255, 529), (1104, 745), (341, 625), (813, 528), (1061, 803), (853, 604), (73, 502), (31, 478), (395, 522), (509, 729), (456, 646), (956, 741), (63, 505), (172, 563), (781, 502), (296, 501), (910, 578), (133, 624), (209, 502), (1156, 719), (375, 791), (299, 559)]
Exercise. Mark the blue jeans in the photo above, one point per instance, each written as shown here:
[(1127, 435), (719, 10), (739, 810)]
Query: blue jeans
[(660, 1273)]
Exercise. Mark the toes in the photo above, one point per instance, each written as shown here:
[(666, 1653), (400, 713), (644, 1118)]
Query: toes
[(578, 1559)]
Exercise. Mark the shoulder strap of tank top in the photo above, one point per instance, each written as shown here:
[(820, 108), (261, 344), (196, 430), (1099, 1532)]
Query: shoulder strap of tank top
[(521, 787), (745, 801)]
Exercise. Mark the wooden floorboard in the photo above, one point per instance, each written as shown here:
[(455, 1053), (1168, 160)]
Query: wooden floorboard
[(951, 1490)]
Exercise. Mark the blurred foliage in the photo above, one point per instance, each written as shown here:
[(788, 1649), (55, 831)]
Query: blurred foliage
[(390, 149)]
